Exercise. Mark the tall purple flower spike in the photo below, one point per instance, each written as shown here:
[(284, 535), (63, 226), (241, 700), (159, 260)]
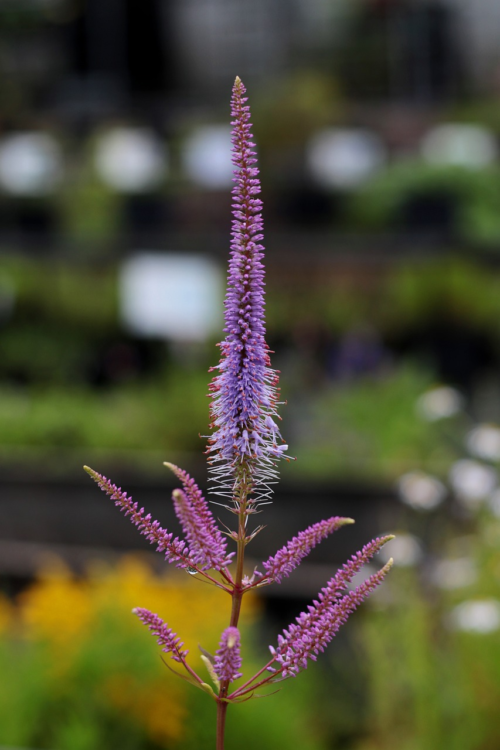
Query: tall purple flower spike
[(227, 661), (247, 441)]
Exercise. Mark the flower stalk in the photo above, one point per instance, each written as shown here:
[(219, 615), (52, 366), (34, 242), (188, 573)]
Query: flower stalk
[(243, 451)]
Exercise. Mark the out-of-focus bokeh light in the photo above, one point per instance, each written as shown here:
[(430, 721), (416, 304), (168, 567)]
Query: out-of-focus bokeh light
[(405, 550), (206, 157), (470, 146), (345, 158), (484, 442), (479, 616), (31, 164), (472, 482), (455, 573), (171, 296), (131, 160), (421, 491), (439, 403)]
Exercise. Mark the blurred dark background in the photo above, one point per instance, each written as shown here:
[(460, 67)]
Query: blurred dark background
[(377, 125)]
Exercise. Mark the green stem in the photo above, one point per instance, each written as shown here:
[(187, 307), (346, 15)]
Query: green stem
[(237, 595)]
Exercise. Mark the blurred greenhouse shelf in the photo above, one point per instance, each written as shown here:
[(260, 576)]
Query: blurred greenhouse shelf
[(357, 342)]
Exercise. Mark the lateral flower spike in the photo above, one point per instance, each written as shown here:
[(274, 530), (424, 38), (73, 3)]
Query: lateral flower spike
[(246, 442), (314, 629), (165, 637), (175, 550), (342, 578), (227, 661), (291, 555), (207, 544)]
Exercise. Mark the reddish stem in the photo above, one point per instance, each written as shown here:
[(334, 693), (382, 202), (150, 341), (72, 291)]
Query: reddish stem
[(221, 723)]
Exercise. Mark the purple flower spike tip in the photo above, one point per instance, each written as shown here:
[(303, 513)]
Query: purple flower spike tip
[(291, 555), (165, 637), (246, 441), (175, 550), (227, 657)]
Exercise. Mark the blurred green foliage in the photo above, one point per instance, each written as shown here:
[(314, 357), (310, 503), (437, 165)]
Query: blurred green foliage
[(433, 684), (368, 429), (83, 672), (476, 194), (419, 292), (408, 292), (165, 415)]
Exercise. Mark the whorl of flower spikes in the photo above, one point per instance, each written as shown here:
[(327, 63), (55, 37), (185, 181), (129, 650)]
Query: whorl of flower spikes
[(290, 556), (227, 661), (165, 637), (315, 628), (207, 544), (244, 392), (175, 550)]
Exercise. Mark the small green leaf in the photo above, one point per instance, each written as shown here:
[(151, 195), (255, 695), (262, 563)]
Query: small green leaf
[(211, 671), (206, 653)]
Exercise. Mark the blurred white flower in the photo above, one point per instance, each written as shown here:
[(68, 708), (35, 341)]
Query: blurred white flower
[(31, 164), (480, 616), (472, 482), (405, 550), (484, 442), (455, 574), (345, 158), (206, 157), (439, 403), (131, 160), (421, 491)]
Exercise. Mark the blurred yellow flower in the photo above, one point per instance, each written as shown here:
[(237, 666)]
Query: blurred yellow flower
[(70, 614), (57, 607), (156, 704)]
